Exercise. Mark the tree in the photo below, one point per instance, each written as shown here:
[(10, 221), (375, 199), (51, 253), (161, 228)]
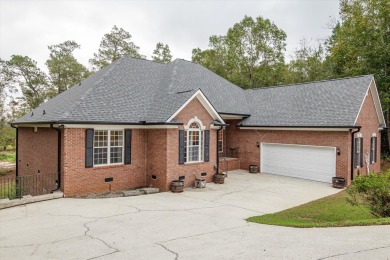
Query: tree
[(64, 70), (113, 46), (22, 72), (308, 64), (251, 54), (2, 90), (360, 44), (162, 53)]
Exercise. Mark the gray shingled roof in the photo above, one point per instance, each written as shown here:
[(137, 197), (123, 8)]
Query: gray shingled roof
[(132, 90), (323, 103)]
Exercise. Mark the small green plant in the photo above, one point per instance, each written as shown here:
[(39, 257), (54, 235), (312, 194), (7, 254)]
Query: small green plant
[(8, 156), (372, 191)]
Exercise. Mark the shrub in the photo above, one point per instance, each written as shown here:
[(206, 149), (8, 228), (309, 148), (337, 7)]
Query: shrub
[(372, 191)]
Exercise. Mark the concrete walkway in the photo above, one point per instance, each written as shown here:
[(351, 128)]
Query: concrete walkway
[(196, 224)]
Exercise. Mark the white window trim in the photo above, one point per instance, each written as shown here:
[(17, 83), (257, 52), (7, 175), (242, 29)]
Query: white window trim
[(201, 136), (109, 148)]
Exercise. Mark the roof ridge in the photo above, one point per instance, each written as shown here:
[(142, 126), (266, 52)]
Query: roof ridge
[(310, 82), (144, 59), (89, 90)]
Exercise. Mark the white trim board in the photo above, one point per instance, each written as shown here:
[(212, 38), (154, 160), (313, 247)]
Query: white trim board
[(204, 101), (119, 127), (295, 129), (377, 103)]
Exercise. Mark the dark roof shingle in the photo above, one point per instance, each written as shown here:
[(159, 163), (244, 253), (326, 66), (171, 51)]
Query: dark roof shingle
[(132, 90)]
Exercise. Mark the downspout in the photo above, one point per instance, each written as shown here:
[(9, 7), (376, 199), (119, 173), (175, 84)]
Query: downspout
[(17, 142), (58, 129), (217, 149), (352, 149)]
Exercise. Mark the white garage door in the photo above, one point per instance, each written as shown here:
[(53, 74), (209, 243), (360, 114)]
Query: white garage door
[(317, 163)]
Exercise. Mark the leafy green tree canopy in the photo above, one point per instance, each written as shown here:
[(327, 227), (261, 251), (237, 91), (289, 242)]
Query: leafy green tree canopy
[(64, 70), (162, 53), (251, 54), (308, 64), (22, 72), (360, 44), (113, 46)]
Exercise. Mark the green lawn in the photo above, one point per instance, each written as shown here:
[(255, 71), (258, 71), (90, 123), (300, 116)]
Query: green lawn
[(331, 211), (8, 156)]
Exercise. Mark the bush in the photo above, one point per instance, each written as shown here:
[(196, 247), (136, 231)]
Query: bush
[(372, 191)]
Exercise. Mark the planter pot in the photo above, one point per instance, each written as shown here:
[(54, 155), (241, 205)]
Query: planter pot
[(338, 182), (177, 186), (253, 168), (219, 178), (200, 183)]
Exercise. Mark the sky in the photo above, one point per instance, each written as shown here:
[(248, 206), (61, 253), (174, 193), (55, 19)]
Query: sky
[(27, 27)]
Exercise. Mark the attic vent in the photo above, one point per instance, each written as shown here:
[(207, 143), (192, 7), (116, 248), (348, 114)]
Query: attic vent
[(44, 112), (185, 91)]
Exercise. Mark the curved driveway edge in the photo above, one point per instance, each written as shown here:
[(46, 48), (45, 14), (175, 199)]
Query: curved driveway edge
[(198, 223)]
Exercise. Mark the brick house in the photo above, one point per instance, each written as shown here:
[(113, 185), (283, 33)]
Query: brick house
[(139, 123)]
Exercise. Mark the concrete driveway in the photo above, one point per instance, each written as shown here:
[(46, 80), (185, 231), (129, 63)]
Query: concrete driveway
[(197, 224)]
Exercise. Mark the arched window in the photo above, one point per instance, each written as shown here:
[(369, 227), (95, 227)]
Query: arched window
[(193, 141)]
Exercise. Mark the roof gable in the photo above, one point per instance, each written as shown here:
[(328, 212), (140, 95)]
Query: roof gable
[(372, 91), (205, 103)]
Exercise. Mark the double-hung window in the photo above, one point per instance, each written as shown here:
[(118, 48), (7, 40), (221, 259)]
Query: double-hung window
[(108, 147), (193, 141), (220, 141)]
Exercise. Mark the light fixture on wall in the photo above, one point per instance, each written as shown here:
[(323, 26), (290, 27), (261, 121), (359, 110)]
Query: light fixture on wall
[(258, 144), (338, 151)]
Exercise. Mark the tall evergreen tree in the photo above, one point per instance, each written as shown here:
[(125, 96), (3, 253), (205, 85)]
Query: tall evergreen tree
[(22, 72), (162, 53), (64, 70), (113, 46)]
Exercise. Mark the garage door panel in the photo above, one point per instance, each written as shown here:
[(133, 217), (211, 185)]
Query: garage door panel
[(307, 162)]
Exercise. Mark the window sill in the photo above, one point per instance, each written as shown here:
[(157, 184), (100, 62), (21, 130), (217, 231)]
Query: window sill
[(107, 166), (191, 163)]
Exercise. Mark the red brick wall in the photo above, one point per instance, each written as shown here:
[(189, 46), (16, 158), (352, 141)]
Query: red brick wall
[(190, 170), (79, 180), (156, 156), (368, 119), (249, 153), (38, 150), (229, 164)]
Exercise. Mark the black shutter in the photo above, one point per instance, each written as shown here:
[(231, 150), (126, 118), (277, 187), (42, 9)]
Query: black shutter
[(181, 147), (89, 133), (372, 150), (361, 152), (207, 145), (356, 155), (128, 134)]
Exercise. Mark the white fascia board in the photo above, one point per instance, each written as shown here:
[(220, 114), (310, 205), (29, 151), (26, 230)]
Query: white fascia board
[(206, 104), (295, 129), (377, 102), (33, 125), (119, 127)]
